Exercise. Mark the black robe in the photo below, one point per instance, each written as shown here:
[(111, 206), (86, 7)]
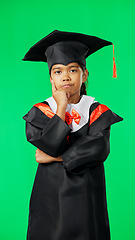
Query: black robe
[(68, 199)]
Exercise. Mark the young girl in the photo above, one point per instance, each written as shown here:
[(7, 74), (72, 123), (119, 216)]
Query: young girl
[(71, 132)]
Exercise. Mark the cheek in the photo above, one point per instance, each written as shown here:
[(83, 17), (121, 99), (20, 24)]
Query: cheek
[(56, 83), (79, 82), (56, 78), (79, 78)]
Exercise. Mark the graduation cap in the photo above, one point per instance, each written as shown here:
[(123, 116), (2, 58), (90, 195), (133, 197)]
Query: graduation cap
[(61, 47)]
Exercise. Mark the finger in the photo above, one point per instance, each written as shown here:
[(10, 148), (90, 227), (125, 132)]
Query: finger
[(68, 95), (53, 86)]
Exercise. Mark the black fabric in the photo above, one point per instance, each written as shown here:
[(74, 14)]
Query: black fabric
[(60, 47), (87, 151), (94, 106), (68, 199), (50, 138), (92, 148), (65, 52), (105, 120)]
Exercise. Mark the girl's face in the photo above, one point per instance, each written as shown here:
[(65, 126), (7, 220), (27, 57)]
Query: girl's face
[(68, 74)]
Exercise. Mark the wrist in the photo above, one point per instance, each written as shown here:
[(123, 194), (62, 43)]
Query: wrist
[(61, 112), (61, 108)]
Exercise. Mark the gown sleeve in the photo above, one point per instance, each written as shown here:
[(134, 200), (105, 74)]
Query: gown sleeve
[(46, 130), (93, 148)]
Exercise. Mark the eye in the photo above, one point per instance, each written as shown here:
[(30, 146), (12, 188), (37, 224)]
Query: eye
[(73, 70), (57, 71)]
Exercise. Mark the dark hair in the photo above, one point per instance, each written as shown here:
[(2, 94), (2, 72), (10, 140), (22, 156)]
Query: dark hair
[(85, 84)]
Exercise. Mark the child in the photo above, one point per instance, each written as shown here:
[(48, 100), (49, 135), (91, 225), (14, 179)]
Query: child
[(72, 133)]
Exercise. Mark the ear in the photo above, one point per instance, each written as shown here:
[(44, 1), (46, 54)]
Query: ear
[(85, 75), (50, 78)]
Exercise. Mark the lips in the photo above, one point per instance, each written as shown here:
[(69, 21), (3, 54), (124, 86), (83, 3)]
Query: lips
[(67, 85)]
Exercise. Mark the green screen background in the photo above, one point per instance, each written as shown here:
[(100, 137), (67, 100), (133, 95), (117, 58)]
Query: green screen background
[(23, 84)]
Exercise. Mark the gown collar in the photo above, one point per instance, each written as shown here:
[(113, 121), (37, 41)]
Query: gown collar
[(82, 107)]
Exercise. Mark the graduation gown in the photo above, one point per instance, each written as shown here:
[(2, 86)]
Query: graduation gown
[(68, 198)]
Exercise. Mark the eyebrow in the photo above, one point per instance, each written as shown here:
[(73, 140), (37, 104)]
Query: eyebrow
[(61, 67)]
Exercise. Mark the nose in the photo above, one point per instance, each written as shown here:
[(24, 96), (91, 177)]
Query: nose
[(66, 77)]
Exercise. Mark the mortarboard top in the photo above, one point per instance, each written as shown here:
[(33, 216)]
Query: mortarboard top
[(61, 47)]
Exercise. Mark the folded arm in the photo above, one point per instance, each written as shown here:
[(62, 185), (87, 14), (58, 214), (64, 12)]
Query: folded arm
[(52, 139), (87, 151), (42, 157), (50, 136)]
